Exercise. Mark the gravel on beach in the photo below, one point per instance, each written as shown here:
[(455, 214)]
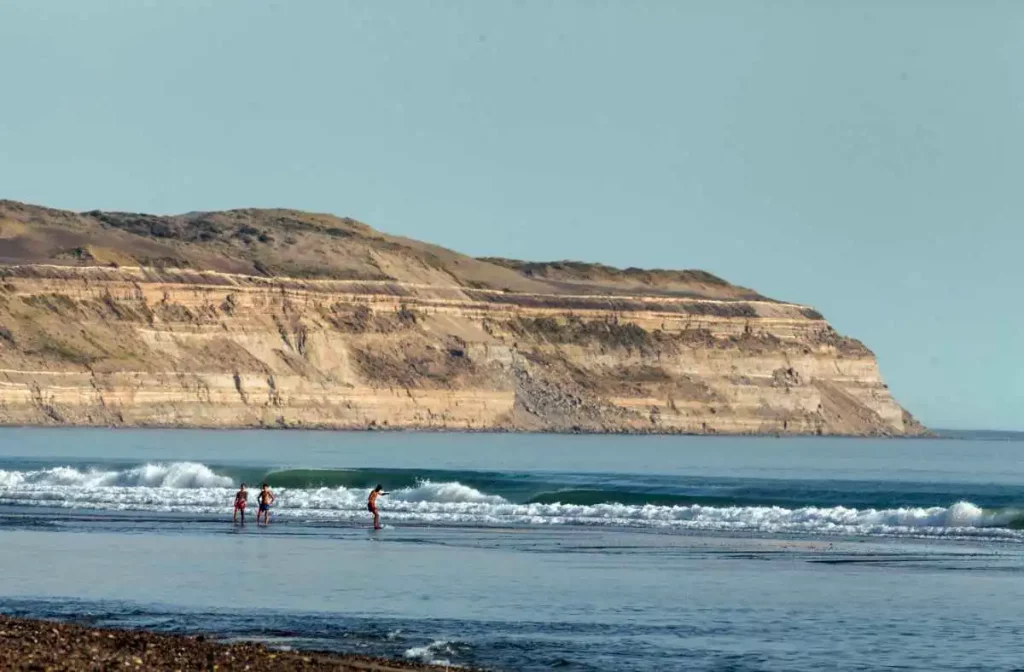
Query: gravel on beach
[(49, 645)]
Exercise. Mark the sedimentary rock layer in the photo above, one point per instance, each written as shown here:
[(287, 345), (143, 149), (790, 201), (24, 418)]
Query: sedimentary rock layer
[(419, 347), (110, 347)]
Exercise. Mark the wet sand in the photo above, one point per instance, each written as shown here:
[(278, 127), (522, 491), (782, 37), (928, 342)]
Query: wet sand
[(49, 645)]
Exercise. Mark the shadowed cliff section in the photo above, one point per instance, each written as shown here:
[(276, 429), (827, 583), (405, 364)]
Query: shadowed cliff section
[(288, 319)]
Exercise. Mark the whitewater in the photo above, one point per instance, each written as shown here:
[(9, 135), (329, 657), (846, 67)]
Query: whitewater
[(200, 490), (530, 552)]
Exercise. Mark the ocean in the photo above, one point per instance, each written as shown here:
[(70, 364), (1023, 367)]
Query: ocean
[(531, 552)]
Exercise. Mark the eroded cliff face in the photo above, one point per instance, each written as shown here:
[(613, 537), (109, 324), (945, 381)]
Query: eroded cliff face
[(90, 345)]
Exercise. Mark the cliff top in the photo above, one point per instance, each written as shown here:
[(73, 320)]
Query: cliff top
[(280, 242)]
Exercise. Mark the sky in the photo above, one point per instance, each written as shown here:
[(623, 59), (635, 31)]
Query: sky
[(862, 157)]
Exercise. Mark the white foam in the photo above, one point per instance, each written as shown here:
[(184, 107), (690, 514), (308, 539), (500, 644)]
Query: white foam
[(189, 487), (428, 654), (175, 475), (427, 491), (172, 475)]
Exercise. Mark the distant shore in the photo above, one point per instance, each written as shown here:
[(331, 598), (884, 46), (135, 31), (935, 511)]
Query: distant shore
[(27, 644), (926, 433)]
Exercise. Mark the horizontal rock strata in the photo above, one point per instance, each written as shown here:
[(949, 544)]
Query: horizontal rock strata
[(127, 346), (285, 319)]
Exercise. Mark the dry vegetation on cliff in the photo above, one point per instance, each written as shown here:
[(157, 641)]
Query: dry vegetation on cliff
[(288, 319)]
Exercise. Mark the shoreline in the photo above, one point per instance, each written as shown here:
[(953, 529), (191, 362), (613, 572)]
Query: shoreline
[(385, 429), (32, 644)]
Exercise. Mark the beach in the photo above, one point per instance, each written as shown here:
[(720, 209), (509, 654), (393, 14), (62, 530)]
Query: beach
[(27, 644), (526, 552)]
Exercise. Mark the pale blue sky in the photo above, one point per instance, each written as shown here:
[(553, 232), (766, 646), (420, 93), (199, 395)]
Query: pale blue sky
[(864, 157)]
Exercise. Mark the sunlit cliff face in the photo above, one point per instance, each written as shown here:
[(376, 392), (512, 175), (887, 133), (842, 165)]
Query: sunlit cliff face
[(385, 332)]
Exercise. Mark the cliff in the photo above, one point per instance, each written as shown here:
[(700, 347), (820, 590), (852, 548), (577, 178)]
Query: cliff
[(252, 318)]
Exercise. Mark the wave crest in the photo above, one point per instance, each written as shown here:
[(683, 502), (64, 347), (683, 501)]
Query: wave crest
[(159, 475), (426, 491), (198, 489)]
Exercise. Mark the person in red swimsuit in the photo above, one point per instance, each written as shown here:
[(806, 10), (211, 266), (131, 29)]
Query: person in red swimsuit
[(371, 505), (241, 499)]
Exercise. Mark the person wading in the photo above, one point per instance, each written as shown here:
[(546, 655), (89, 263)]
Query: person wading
[(265, 499), (241, 500), (371, 505)]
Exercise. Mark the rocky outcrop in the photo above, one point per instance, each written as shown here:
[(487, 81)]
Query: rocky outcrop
[(420, 338)]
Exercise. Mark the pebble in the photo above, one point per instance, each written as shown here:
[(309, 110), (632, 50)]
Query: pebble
[(43, 645)]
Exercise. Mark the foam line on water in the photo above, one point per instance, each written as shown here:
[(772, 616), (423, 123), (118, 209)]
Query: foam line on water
[(190, 487), (166, 475), (430, 654)]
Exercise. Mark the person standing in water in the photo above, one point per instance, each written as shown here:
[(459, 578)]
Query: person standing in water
[(371, 505), (265, 499), (241, 499)]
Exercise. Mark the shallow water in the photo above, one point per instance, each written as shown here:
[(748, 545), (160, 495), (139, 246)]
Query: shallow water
[(531, 552)]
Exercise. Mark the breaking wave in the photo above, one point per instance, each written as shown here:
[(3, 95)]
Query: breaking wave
[(172, 475), (194, 488)]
